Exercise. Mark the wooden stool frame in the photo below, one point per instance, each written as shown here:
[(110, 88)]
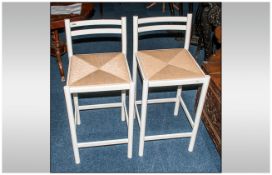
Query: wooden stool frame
[(69, 91), (164, 83)]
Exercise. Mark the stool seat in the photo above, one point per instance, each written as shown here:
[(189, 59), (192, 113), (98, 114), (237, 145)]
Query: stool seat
[(168, 64), (98, 69)]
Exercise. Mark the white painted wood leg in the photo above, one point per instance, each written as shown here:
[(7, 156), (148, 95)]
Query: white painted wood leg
[(131, 119), (135, 80), (77, 114), (135, 50), (71, 123), (123, 97), (135, 76), (143, 117), (177, 101), (199, 112)]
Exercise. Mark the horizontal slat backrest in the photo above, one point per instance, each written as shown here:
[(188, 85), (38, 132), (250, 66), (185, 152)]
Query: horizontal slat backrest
[(96, 22), (156, 27), (96, 31), (105, 22), (112, 26), (162, 19), (161, 27), (141, 25)]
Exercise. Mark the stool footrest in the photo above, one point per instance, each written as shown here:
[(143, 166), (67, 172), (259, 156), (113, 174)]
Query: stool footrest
[(158, 100), (99, 106), (101, 143), (168, 136)]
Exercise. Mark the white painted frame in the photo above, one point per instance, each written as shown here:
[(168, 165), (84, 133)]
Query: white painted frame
[(141, 118), (74, 116)]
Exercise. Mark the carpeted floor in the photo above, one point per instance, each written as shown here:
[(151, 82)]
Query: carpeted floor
[(159, 156)]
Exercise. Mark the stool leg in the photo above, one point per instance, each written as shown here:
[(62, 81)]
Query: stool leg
[(135, 79), (135, 49), (143, 117), (135, 75), (123, 96), (71, 123), (198, 112), (131, 119), (77, 114), (177, 101)]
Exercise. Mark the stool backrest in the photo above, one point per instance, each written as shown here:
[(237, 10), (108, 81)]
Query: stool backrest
[(154, 24), (71, 30)]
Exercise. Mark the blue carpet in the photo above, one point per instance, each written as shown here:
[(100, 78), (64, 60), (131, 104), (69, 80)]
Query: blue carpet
[(159, 156)]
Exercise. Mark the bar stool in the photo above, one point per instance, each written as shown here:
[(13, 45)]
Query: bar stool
[(98, 72), (167, 67)]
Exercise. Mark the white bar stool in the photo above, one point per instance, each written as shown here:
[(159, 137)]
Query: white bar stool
[(167, 67), (98, 72)]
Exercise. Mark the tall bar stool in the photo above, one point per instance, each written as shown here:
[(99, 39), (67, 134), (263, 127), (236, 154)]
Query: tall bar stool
[(167, 67), (98, 72)]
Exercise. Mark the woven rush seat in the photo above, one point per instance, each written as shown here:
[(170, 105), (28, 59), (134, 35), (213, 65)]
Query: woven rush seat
[(168, 64), (98, 69)]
